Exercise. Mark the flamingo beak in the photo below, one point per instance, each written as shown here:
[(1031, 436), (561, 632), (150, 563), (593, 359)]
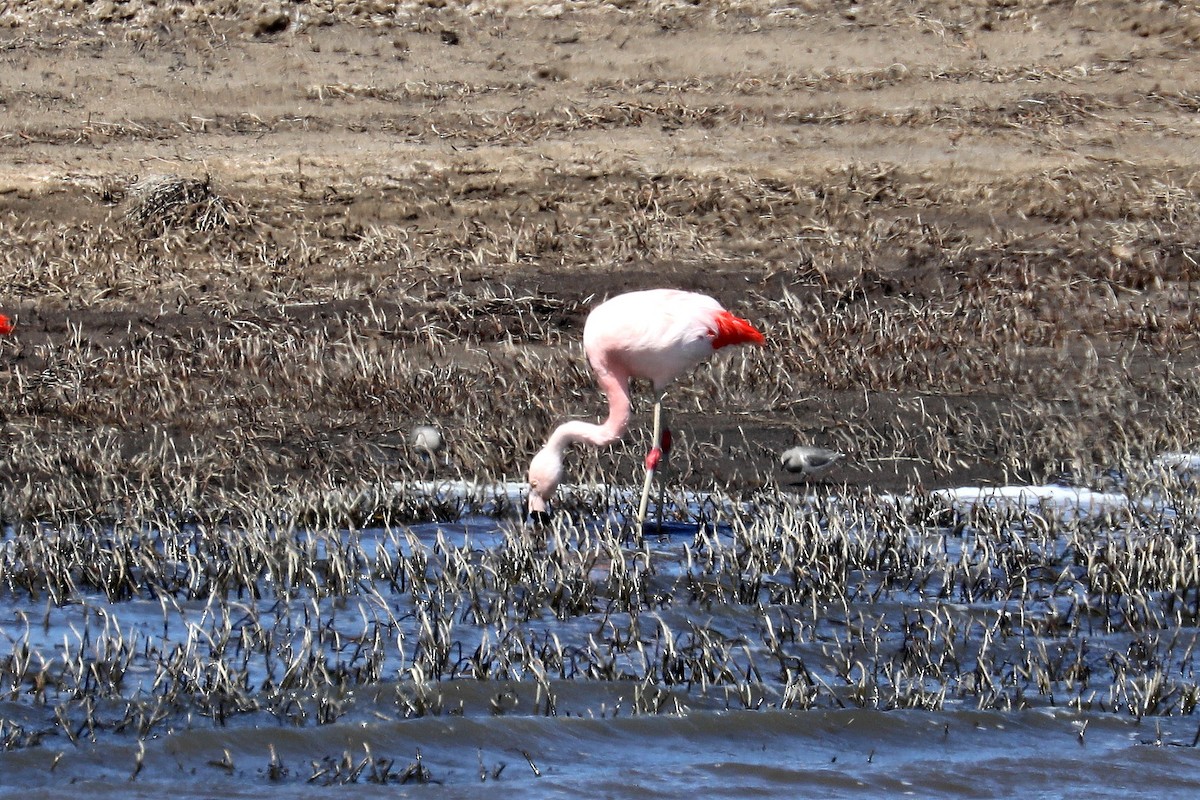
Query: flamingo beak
[(536, 510)]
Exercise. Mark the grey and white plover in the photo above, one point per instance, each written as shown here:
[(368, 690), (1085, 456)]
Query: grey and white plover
[(812, 462)]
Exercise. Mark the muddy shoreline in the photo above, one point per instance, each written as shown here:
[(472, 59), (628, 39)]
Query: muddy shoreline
[(968, 235)]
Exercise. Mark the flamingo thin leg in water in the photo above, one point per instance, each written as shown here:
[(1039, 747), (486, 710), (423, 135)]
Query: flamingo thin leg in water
[(659, 448)]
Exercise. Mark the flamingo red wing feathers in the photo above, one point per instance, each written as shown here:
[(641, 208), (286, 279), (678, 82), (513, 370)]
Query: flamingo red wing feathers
[(734, 330), (6, 325)]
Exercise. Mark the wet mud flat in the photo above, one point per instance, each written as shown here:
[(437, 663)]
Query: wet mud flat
[(245, 260), (247, 252)]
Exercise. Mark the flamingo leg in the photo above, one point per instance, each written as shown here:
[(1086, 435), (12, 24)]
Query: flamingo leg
[(652, 459), (665, 466)]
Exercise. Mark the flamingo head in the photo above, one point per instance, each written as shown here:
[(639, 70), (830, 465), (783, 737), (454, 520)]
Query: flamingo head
[(545, 473)]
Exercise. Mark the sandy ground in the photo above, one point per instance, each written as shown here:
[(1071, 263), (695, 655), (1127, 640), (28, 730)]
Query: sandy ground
[(883, 156)]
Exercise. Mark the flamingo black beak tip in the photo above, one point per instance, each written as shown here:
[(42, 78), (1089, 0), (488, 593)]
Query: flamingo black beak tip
[(537, 513)]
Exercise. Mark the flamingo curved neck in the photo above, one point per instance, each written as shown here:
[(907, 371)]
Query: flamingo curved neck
[(611, 430)]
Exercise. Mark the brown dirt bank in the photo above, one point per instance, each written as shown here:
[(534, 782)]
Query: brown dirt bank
[(968, 232)]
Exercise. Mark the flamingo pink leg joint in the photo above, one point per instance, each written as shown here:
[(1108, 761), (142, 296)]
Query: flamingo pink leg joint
[(657, 454)]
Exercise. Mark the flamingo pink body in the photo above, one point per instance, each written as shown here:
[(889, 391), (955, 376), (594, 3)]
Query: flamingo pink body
[(655, 335)]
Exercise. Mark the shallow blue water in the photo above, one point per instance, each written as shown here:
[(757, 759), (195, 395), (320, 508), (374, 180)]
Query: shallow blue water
[(837, 754), (689, 684)]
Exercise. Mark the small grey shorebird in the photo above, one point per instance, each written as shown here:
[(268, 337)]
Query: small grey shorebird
[(813, 462), (426, 440)]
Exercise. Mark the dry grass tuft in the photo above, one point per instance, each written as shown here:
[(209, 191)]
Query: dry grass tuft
[(159, 203)]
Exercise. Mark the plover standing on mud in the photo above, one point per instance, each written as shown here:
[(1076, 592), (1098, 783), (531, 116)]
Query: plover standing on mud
[(813, 462)]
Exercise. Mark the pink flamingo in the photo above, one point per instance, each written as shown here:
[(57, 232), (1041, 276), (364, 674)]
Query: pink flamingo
[(6, 325), (655, 335)]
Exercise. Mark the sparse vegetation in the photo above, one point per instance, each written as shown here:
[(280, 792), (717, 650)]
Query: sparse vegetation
[(844, 602)]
